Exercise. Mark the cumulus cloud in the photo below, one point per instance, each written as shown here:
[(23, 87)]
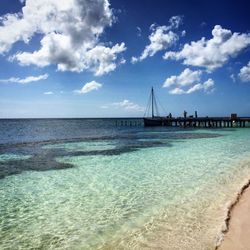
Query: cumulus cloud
[(187, 77), (188, 82), (103, 59), (88, 87), (212, 53), (162, 37), (70, 35), (48, 93), (206, 87), (177, 91), (244, 74), (25, 80), (128, 106)]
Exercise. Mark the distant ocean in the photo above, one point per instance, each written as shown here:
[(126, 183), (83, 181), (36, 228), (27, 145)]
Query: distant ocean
[(94, 184)]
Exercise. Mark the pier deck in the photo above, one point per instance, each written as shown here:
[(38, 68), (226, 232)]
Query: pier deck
[(205, 122)]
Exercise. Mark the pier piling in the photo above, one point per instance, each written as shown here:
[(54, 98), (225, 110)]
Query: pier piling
[(205, 122)]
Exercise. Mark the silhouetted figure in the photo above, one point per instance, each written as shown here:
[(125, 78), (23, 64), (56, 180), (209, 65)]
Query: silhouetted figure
[(185, 114), (170, 115), (196, 114)]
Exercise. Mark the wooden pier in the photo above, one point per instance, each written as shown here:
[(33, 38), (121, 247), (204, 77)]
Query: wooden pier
[(128, 122), (152, 120), (200, 122)]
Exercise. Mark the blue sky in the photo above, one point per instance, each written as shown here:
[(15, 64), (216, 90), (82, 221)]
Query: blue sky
[(80, 58)]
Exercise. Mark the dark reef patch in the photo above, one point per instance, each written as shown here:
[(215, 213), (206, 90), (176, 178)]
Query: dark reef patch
[(44, 159)]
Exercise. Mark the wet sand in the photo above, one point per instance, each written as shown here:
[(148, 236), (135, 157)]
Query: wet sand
[(238, 235)]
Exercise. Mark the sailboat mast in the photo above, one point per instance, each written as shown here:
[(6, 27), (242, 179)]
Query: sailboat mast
[(152, 94)]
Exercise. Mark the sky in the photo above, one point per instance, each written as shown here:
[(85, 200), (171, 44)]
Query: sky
[(100, 58)]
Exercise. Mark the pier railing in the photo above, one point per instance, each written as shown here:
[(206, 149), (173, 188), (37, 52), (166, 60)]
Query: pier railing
[(199, 122), (205, 122), (129, 122)]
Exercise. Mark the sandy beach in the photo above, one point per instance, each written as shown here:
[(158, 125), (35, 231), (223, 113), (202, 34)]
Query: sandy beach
[(237, 236)]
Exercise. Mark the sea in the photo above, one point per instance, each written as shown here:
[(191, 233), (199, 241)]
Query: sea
[(114, 184)]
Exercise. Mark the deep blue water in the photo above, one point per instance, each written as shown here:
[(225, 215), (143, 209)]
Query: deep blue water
[(27, 130)]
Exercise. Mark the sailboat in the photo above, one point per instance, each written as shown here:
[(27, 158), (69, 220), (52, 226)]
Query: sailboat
[(154, 119)]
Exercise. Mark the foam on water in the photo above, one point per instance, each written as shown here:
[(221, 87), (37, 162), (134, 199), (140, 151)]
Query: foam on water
[(165, 197)]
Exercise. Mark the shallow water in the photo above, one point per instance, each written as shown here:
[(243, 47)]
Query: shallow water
[(106, 187)]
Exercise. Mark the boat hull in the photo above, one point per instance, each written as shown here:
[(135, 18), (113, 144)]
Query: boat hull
[(155, 122)]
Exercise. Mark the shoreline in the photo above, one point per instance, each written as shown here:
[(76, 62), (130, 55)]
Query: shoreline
[(223, 236)]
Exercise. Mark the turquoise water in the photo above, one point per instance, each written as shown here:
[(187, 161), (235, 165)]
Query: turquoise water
[(8, 157), (161, 189)]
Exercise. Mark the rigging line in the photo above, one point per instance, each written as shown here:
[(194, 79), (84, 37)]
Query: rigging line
[(156, 108), (146, 110), (164, 110), (148, 105), (154, 102)]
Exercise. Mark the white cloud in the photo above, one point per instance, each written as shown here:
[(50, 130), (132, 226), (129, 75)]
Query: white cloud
[(244, 74), (177, 91), (162, 37), (70, 31), (89, 86), (103, 59), (206, 86), (128, 106), (25, 80), (187, 77), (213, 53), (48, 93), (188, 82)]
